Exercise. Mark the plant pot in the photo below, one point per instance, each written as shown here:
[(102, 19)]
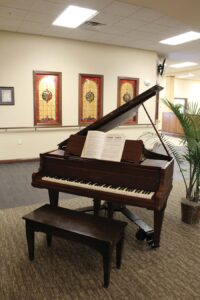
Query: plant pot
[(190, 212)]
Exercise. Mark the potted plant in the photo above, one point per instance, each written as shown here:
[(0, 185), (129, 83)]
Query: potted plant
[(189, 119), (188, 161)]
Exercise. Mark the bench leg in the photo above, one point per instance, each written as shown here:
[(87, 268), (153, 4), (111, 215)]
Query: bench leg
[(107, 265), (110, 210), (119, 249), (30, 240)]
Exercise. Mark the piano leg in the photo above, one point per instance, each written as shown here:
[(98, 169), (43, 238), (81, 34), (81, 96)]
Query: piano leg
[(97, 206), (53, 197), (111, 210), (158, 221)]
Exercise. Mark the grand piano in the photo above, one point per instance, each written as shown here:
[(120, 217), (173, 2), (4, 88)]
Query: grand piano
[(142, 178)]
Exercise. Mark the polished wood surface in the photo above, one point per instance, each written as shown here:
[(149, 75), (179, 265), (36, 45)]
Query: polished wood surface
[(126, 174), (170, 124), (97, 232)]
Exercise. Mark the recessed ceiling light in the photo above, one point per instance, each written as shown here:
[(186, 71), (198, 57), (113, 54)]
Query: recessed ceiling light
[(74, 16), (183, 65), (182, 38)]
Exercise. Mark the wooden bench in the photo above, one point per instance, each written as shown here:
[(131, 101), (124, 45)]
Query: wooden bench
[(97, 232)]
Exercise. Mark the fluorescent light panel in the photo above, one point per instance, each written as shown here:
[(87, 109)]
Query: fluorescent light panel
[(189, 75), (74, 16), (183, 65), (182, 38)]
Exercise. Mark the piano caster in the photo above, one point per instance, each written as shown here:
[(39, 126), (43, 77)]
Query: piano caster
[(142, 235), (152, 244)]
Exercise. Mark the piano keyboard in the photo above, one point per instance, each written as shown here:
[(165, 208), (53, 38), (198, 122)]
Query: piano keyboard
[(101, 187)]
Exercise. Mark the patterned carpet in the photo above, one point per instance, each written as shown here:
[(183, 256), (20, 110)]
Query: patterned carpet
[(69, 270)]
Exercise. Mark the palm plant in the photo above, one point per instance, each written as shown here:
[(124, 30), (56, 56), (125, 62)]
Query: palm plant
[(190, 121)]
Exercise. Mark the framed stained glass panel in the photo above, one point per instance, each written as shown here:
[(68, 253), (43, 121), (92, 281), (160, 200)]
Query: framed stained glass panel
[(90, 98), (127, 90), (47, 98)]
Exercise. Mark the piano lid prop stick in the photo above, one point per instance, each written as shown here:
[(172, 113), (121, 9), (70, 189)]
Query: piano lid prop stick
[(156, 130)]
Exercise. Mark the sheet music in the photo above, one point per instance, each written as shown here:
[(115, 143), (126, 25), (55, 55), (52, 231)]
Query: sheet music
[(103, 146), (93, 144), (113, 147)]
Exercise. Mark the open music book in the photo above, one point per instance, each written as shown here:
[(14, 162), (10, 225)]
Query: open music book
[(105, 146)]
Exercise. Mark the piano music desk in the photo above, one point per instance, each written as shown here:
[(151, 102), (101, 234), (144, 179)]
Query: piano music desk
[(97, 232)]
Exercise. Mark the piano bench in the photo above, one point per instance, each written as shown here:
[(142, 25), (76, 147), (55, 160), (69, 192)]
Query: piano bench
[(97, 232)]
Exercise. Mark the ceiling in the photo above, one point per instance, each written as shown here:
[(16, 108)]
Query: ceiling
[(131, 23)]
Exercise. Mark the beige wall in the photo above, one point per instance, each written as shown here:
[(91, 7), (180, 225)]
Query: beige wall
[(20, 54), (189, 89), (181, 88)]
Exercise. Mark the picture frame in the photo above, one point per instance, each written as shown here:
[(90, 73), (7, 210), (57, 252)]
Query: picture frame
[(7, 96), (182, 102), (47, 94), (128, 88), (90, 98)]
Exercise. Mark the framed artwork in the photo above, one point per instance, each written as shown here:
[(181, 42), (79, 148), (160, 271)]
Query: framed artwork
[(182, 102), (127, 90), (7, 96), (47, 98), (90, 98)]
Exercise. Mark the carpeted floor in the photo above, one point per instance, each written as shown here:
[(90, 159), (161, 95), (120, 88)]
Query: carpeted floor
[(15, 185), (72, 271)]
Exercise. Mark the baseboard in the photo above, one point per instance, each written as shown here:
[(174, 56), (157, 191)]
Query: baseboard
[(12, 161)]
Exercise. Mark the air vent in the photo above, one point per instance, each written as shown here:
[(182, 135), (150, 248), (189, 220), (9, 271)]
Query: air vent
[(93, 24)]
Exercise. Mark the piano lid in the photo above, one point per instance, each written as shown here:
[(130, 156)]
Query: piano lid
[(119, 115)]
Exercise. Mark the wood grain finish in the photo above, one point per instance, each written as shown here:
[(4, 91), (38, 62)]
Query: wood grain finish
[(97, 232), (170, 124)]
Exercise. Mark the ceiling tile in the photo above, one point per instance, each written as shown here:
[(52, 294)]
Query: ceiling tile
[(168, 21), (130, 23), (146, 15), (9, 12), (114, 29), (40, 18), (106, 18), (93, 4), (103, 37), (31, 27), (120, 9), (81, 34), (10, 21), (45, 7), (153, 27), (57, 31), (23, 4), (8, 27)]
